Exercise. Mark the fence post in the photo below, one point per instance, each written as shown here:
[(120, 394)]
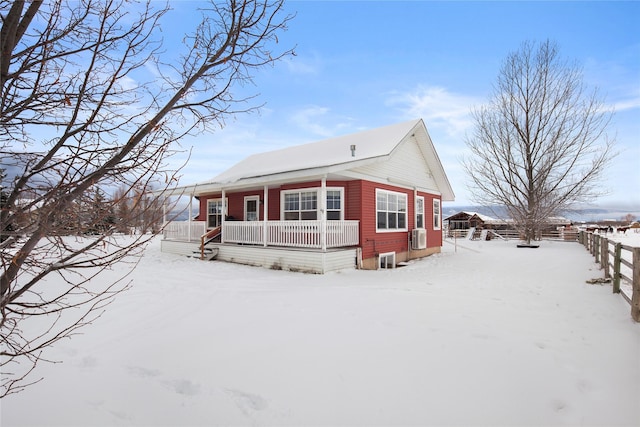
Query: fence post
[(604, 255), (587, 236), (586, 240), (635, 296), (616, 268), (596, 248)]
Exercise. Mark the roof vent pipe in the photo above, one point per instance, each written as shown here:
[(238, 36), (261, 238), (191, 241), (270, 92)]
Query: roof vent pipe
[(353, 150)]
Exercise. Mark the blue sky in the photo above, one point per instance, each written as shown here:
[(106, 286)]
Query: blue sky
[(364, 64)]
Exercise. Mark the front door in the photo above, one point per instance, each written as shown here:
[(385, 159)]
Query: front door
[(251, 206)]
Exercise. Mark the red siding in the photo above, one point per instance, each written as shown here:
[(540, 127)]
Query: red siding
[(359, 204), (309, 184), (372, 242), (353, 200), (434, 237), (274, 204), (235, 206)]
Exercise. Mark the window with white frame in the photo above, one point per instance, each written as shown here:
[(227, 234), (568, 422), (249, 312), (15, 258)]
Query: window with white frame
[(214, 213), (251, 208), (419, 212), (334, 204), (436, 214), (387, 260), (300, 205), (391, 211), (303, 204)]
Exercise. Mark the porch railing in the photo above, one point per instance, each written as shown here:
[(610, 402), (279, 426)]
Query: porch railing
[(184, 231), (342, 233), (298, 234)]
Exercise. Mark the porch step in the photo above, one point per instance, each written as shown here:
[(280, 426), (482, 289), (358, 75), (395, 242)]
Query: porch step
[(209, 254)]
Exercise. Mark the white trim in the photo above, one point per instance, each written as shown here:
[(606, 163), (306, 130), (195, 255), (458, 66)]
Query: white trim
[(320, 203), (225, 207), (265, 214), (300, 191), (415, 213), (322, 208), (406, 213), (386, 255), (437, 225), (342, 201), (255, 198), (225, 212)]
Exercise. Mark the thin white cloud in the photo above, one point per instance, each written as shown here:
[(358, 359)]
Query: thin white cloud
[(319, 122), (627, 104), (303, 65), (616, 77), (437, 106)]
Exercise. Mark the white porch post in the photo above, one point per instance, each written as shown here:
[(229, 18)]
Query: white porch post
[(223, 215), (323, 214), (164, 210), (265, 215), (164, 217), (190, 216)]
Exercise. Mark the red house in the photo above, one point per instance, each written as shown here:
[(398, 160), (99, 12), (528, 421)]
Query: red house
[(366, 200)]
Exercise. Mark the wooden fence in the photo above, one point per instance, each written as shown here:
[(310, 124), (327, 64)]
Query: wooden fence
[(619, 262), (565, 235)]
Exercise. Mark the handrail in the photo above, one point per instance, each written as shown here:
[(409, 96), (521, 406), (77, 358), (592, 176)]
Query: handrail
[(211, 234)]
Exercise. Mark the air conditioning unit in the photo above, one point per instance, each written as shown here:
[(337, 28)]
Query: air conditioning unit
[(419, 238)]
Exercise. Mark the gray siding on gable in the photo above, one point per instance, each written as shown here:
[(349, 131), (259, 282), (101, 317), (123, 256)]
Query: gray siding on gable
[(406, 165)]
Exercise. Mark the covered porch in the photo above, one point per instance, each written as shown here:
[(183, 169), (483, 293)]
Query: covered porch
[(303, 246), (294, 234), (264, 237), (321, 232)]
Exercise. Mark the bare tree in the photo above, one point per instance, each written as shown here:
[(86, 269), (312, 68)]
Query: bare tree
[(78, 110), (540, 143), (137, 210)]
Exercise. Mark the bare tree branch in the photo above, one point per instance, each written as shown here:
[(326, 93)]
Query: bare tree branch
[(540, 144), (75, 72)]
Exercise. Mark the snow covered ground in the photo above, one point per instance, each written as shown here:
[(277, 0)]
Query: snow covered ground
[(630, 238), (485, 334)]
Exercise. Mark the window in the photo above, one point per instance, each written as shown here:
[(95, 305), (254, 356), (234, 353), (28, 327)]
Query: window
[(251, 205), (391, 211), (214, 213), (334, 204), (387, 260), (419, 212), (436, 214), (300, 205), (303, 204)]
